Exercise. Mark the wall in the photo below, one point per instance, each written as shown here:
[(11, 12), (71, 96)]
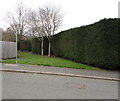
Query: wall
[(8, 49)]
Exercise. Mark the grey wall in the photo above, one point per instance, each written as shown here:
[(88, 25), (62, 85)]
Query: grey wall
[(8, 49)]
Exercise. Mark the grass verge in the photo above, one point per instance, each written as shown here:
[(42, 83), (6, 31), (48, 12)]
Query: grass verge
[(32, 59)]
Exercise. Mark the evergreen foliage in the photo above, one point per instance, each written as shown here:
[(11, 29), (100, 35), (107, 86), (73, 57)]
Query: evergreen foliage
[(95, 44)]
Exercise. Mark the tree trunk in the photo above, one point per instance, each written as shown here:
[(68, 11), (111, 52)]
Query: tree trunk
[(49, 49), (42, 47)]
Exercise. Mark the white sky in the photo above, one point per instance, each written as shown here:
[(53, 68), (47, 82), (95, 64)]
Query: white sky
[(76, 12)]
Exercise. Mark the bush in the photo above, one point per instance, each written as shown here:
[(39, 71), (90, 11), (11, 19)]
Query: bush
[(25, 45), (45, 46), (95, 44), (36, 46)]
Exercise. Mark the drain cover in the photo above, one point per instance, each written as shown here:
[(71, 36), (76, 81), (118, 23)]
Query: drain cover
[(76, 85)]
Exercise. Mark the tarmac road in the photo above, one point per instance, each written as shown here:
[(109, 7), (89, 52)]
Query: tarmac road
[(39, 86)]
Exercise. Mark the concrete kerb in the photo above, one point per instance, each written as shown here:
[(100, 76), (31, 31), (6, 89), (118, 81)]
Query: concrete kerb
[(59, 74)]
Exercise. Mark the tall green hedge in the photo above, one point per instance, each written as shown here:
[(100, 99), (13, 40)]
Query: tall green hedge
[(36, 46), (25, 45), (45, 46), (95, 44)]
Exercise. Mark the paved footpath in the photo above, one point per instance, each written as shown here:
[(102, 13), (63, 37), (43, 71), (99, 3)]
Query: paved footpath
[(98, 73)]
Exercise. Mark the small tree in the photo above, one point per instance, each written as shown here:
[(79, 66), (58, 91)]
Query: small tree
[(36, 29), (50, 18)]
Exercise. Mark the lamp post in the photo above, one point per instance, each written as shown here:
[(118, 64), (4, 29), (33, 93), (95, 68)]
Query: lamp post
[(16, 47)]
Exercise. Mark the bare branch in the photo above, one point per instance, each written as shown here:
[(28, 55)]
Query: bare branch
[(50, 18), (18, 21)]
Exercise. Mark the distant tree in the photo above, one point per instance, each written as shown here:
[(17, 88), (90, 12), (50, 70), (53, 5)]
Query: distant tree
[(50, 18), (18, 20), (1, 31), (8, 35)]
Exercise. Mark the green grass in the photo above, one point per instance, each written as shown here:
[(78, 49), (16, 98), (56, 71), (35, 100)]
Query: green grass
[(28, 58)]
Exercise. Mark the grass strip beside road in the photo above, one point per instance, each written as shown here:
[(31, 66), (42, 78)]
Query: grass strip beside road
[(33, 59)]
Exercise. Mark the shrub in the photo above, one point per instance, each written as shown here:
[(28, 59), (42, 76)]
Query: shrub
[(36, 46), (25, 45), (95, 44)]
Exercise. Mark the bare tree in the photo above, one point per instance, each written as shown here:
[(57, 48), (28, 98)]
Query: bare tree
[(18, 20), (35, 28), (51, 19), (32, 23), (1, 33)]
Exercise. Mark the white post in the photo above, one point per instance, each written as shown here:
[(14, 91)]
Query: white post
[(16, 48)]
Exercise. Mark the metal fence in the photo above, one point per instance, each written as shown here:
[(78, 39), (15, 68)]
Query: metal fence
[(8, 49)]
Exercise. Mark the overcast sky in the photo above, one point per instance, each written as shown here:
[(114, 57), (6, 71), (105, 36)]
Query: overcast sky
[(76, 12)]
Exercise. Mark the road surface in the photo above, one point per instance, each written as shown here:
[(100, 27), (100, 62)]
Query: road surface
[(39, 86)]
